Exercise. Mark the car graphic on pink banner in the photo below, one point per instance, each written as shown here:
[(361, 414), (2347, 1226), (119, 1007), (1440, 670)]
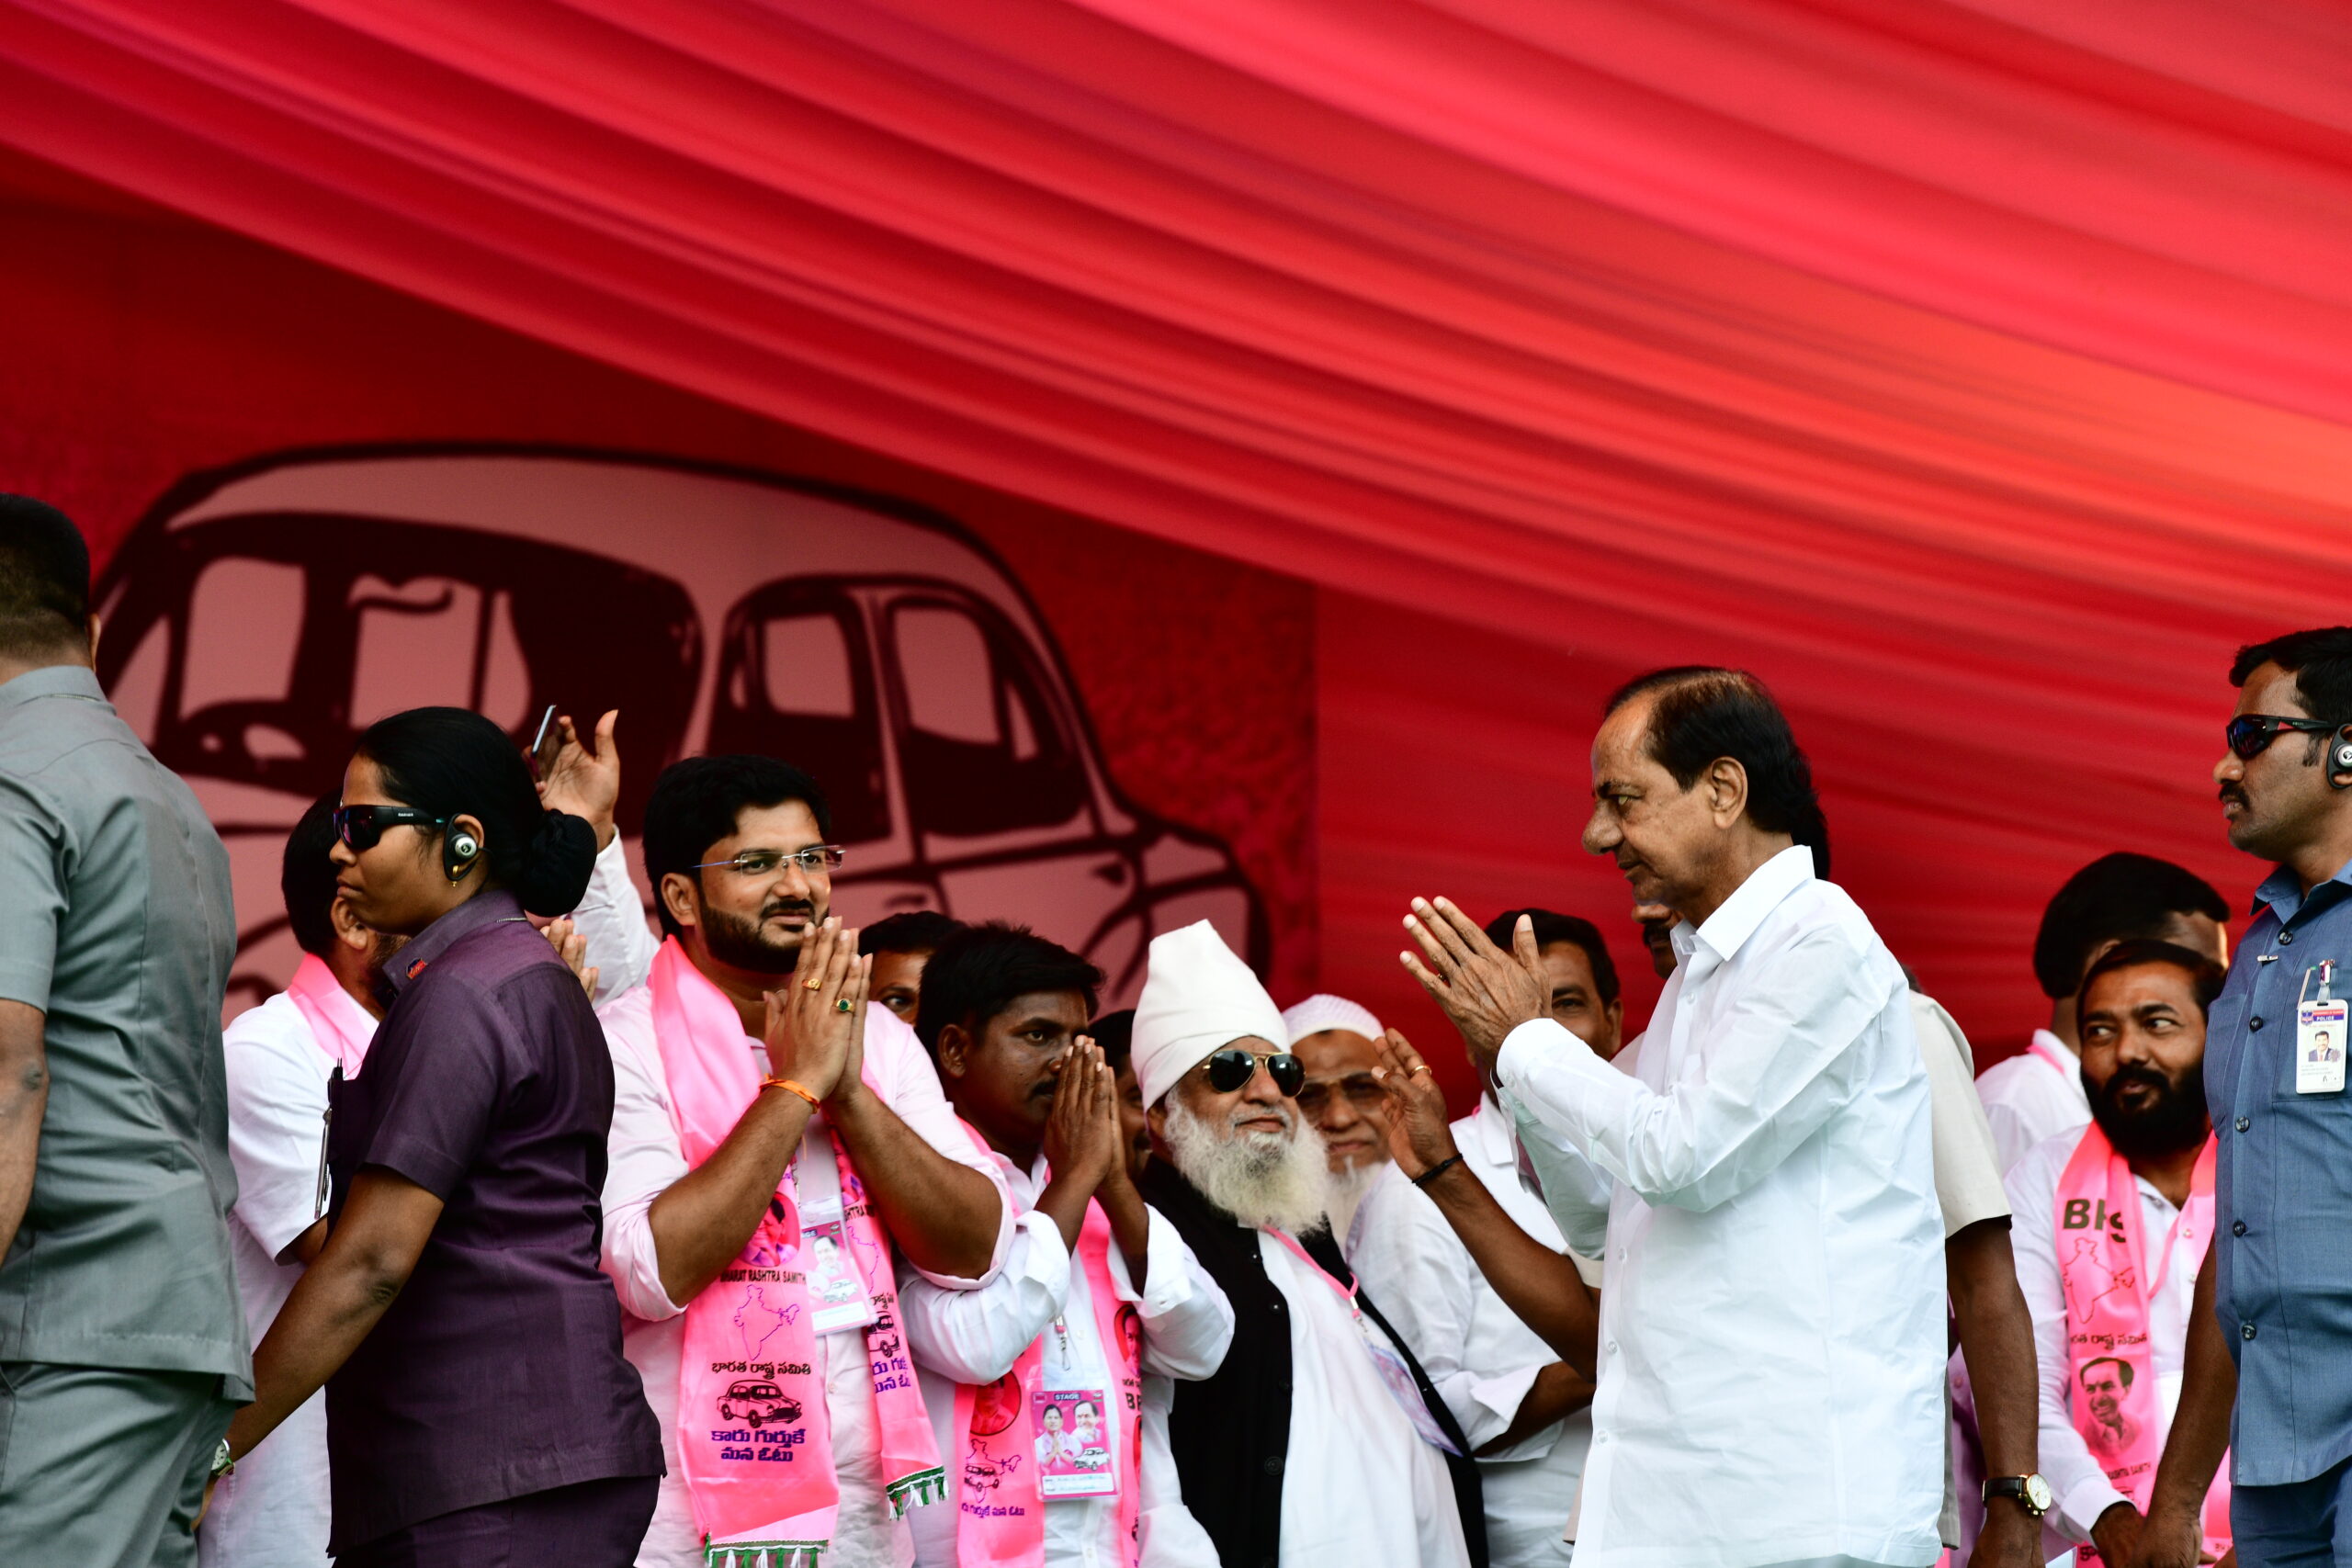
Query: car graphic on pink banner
[(258, 619)]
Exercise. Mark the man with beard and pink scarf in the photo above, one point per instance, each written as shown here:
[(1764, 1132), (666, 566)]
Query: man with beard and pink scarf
[(1318, 1439), (2110, 1227), (749, 1127), (1048, 1389)]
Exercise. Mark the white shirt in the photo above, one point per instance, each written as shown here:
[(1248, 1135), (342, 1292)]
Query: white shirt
[(1481, 1358), (1359, 1487), (646, 1159), (1772, 1336), (273, 1510), (974, 1337), (2073, 1475), (2028, 1100)]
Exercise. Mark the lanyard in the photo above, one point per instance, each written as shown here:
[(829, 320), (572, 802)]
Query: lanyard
[(1345, 1292)]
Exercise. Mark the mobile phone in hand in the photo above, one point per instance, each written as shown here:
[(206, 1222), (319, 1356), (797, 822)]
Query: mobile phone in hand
[(546, 743)]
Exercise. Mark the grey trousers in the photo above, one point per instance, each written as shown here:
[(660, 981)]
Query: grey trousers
[(104, 1468)]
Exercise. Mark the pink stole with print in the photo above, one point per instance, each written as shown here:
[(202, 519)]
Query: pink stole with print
[(326, 1006), (1003, 1519), (2102, 1261), (753, 1435)]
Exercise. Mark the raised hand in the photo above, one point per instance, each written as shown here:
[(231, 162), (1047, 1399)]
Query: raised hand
[(813, 1021), (1082, 1127), (1419, 1135), (585, 780), (572, 948), (1486, 992)]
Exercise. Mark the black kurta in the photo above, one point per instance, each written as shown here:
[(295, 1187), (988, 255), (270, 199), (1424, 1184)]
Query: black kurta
[(1230, 1433)]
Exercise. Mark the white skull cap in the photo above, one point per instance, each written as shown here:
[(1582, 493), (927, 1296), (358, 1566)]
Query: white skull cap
[(1323, 1011), (1197, 1000)]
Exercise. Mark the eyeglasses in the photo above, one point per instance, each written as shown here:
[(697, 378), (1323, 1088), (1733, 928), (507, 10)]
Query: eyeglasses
[(2250, 733), (764, 863), (1230, 1068), (1362, 1088), (361, 828)]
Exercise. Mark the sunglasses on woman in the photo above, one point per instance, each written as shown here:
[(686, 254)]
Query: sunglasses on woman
[(2250, 734), (361, 828), (1230, 1068)]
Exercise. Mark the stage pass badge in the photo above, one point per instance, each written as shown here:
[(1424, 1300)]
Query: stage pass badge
[(1073, 1443), (837, 1298), (2319, 1046)]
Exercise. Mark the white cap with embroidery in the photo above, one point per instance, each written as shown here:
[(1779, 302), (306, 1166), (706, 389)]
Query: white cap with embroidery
[(1197, 1000)]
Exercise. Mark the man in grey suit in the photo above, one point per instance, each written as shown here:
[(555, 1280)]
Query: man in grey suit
[(122, 1351)]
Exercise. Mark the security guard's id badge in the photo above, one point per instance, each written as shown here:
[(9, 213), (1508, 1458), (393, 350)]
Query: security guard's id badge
[(2319, 1046)]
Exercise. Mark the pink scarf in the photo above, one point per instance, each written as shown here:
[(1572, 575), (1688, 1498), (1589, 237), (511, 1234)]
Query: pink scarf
[(753, 1431), (1003, 1524), (327, 1008), (2102, 1258)]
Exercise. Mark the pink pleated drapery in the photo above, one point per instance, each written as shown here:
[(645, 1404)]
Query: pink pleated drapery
[(1976, 369)]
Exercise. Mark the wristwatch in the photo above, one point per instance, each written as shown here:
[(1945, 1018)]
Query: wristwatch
[(222, 1464), (2031, 1493)]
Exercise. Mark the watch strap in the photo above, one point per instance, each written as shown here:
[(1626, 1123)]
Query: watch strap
[(2021, 1489)]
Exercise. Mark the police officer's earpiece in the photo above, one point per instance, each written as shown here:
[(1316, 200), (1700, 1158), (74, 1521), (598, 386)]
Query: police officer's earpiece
[(459, 849), (2339, 760)]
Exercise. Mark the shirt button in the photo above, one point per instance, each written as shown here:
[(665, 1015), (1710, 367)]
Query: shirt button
[(2246, 1332), (1274, 1464), (2254, 1024), (2242, 1123), (2285, 939), (1612, 1347), (2237, 1227)]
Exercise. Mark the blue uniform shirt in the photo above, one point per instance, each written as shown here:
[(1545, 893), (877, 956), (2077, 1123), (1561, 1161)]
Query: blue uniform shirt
[(2283, 1226)]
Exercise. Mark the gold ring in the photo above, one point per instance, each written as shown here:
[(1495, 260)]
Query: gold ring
[(840, 1004), (1418, 1068), (812, 984)]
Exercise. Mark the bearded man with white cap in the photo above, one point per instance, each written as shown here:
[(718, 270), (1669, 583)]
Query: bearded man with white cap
[(1318, 1440), (1520, 1406)]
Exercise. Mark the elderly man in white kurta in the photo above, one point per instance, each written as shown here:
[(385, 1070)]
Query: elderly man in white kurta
[(1520, 1408), (1771, 1343), (1306, 1447)]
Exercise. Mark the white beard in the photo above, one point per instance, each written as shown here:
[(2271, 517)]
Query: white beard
[(1267, 1180), (1349, 1187)]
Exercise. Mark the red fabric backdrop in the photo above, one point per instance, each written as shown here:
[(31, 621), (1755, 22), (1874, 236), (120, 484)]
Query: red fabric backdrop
[(1973, 369)]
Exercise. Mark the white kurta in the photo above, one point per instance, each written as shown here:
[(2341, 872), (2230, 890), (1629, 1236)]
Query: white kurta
[(1359, 1487), (646, 1159), (974, 1337), (273, 1510), (1481, 1358), (2028, 1100), (2078, 1480), (1772, 1336)]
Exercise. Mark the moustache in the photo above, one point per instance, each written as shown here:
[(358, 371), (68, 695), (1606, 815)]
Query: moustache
[(2126, 1076), (2230, 792), (788, 907)]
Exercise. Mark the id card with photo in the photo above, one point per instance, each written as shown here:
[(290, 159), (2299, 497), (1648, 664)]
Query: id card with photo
[(1398, 1379), (2319, 1046), (1073, 1443), (837, 1298)]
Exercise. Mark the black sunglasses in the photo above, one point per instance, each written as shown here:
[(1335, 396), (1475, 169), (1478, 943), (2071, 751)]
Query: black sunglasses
[(361, 828), (2250, 733), (1230, 1068)]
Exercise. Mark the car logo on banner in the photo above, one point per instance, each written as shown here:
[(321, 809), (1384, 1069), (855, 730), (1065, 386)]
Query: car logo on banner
[(259, 618)]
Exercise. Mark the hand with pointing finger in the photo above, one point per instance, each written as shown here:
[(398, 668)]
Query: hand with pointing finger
[(1486, 992)]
